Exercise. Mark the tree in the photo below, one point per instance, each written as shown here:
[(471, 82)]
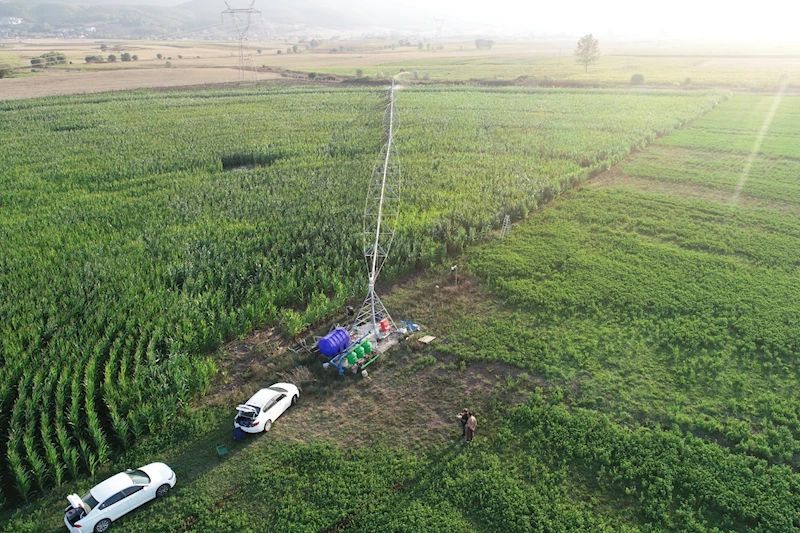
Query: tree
[(484, 44), (587, 51), (126, 56), (50, 58), (160, 56), (279, 52), (637, 79), (135, 57), (5, 70), (103, 48), (359, 73), (259, 50), (295, 48), (111, 58)]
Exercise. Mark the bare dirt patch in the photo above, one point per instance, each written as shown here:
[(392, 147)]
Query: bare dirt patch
[(64, 82), (413, 393)]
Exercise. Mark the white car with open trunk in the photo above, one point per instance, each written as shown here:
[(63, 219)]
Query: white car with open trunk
[(264, 407), (117, 496)]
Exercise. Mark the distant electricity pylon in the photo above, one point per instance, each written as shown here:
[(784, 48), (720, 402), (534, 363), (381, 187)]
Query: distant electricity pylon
[(242, 25), (437, 45)]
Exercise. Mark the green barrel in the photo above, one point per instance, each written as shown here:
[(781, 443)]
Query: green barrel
[(366, 346), (352, 358), (359, 351)]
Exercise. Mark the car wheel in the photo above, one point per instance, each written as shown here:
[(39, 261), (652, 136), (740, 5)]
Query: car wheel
[(267, 425), (102, 525), (294, 399), (162, 491)]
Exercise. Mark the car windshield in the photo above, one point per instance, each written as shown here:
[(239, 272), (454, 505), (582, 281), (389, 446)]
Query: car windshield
[(89, 502), (139, 477)]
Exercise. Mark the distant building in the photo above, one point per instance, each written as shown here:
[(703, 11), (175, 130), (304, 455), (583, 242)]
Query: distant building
[(11, 21)]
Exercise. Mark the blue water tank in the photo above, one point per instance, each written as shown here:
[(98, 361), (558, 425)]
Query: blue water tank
[(334, 342)]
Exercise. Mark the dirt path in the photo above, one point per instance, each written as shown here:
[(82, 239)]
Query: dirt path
[(64, 82)]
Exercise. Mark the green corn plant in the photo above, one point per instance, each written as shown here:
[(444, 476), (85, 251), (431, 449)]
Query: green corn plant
[(20, 475), (54, 463), (37, 466), (71, 459), (122, 429)]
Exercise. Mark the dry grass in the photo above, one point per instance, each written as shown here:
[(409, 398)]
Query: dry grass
[(298, 376)]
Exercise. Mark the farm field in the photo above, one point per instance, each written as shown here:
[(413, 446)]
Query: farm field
[(59, 83), (663, 299), (142, 230), (631, 355), (663, 64)]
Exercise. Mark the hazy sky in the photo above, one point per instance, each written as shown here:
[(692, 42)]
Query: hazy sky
[(676, 18)]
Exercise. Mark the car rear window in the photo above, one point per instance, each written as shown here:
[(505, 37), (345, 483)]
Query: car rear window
[(138, 477), (89, 502), (278, 389)]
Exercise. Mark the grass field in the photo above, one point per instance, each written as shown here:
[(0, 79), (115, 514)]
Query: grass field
[(661, 299)]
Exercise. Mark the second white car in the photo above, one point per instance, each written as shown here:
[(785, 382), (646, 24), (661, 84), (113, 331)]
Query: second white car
[(116, 496), (264, 407)]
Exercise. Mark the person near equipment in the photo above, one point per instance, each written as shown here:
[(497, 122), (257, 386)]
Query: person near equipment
[(463, 417), (472, 423)]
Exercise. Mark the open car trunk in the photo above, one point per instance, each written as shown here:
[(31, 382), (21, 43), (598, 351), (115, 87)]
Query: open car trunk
[(246, 415), (75, 511)]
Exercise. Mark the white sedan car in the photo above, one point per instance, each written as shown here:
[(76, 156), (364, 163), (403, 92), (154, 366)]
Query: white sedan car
[(264, 407), (116, 496)]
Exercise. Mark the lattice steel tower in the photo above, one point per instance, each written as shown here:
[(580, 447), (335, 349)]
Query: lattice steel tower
[(439, 25), (242, 18), (381, 212)]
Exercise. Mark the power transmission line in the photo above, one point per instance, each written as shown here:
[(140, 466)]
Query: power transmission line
[(242, 19)]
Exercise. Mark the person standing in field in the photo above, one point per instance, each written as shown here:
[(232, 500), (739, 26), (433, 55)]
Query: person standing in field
[(463, 417), (472, 423)]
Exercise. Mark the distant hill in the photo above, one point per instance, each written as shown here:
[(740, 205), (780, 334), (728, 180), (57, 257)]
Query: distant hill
[(202, 18)]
